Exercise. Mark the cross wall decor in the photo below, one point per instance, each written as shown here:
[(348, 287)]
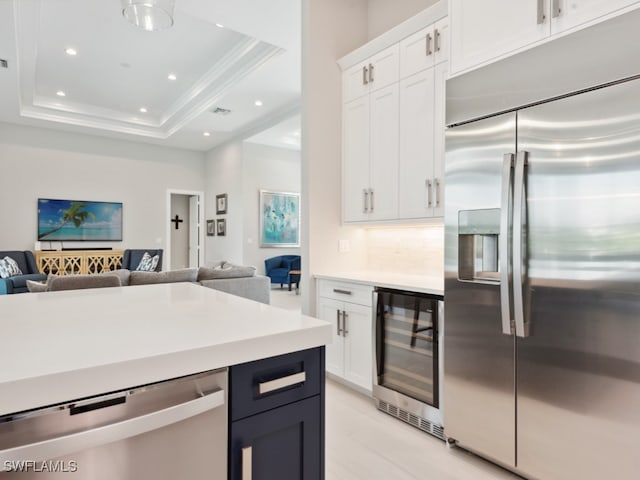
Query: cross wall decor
[(177, 220)]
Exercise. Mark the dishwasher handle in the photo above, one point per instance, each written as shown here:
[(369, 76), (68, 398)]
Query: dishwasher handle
[(56, 447)]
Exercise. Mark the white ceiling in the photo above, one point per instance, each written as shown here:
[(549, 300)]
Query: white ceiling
[(119, 69)]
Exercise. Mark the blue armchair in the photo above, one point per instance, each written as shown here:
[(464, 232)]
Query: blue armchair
[(278, 268), (27, 264), (131, 258)]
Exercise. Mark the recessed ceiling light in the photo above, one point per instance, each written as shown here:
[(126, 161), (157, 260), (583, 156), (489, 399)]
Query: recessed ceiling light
[(258, 103), (171, 76), (71, 51), (143, 110), (206, 134), (60, 93), (219, 25)]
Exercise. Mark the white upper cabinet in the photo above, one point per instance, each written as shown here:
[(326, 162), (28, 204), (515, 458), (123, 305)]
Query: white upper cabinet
[(424, 49), (376, 72), (482, 31), (567, 14), (416, 163), (383, 193), (392, 159)]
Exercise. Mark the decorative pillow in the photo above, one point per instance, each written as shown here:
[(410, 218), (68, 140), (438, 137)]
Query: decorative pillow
[(9, 268), (148, 263), (227, 270), (35, 287)]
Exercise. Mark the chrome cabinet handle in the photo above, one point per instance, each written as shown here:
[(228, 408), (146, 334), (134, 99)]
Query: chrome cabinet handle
[(371, 73), (541, 16), (371, 198), (365, 196), (345, 330), (364, 75), (64, 445), (504, 243), (428, 45), (338, 329), (247, 460), (437, 188), (555, 8), (339, 290), (282, 382), (518, 251), (436, 41), (429, 195)]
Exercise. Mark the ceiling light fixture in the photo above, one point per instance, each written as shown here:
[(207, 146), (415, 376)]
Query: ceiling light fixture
[(172, 76), (219, 25), (206, 134), (258, 103), (60, 93), (71, 52), (149, 15), (143, 110)]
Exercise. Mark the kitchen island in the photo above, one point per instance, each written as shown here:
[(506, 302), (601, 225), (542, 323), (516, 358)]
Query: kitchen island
[(60, 346)]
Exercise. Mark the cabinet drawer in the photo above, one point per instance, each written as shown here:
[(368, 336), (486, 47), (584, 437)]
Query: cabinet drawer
[(346, 292), (265, 384)]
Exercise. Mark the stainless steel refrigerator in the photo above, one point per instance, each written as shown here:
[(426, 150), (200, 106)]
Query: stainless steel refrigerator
[(542, 283)]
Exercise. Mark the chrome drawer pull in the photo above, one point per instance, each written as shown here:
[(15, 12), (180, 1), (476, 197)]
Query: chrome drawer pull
[(278, 383), (339, 290)]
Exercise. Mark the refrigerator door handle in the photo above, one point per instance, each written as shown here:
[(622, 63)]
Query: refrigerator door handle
[(519, 203), (504, 250)]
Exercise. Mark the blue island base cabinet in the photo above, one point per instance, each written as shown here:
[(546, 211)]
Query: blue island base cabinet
[(276, 418)]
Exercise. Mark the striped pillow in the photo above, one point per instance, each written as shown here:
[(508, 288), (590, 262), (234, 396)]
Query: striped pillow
[(9, 268), (148, 263)]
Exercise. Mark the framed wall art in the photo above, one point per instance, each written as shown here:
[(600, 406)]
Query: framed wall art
[(221, 227), (279, 219), (221, 204), (211, 228)]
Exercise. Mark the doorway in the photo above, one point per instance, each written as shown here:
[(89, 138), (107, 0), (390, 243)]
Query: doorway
[(185, 236)]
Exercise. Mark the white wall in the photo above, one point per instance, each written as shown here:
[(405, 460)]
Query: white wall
[(179, 236), (386, 14), (37, 162), (330, 29), (223, 174), (266, 168)]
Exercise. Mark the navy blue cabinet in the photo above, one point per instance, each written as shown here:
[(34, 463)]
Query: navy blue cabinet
[(276, 416)]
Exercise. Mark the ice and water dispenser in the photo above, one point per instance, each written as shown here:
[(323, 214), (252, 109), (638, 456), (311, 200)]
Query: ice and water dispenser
[(478, 232)]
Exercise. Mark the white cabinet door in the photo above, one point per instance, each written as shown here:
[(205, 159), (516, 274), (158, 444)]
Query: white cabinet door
[(440, 77), (566, 14), (441, 40), (334, 352), (384, 67), (355, 159), (416, 163), (358, 345), (383, 198), (355, 82), (480, 31), (417, 52)]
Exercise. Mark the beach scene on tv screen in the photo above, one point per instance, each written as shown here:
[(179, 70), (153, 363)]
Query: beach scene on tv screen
[(71, 220)]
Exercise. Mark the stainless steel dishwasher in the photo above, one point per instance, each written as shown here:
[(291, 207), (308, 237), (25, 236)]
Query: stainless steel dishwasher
[(166, 430)]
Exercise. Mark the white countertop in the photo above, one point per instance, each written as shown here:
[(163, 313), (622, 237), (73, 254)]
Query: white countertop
[(60, 346), (433, 284)]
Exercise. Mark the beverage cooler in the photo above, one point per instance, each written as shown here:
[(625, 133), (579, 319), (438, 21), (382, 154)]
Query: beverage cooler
[(407, 357)]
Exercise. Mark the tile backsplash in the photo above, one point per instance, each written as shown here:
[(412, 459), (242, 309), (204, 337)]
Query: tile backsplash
[(409, 250)]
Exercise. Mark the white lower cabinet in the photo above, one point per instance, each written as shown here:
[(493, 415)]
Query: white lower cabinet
[(349, 356)]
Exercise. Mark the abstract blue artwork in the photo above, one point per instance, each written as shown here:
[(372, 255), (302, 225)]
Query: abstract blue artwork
[(279, 219)]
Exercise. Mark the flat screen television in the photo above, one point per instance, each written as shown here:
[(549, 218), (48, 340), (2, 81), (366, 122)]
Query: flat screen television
[(73, 220)]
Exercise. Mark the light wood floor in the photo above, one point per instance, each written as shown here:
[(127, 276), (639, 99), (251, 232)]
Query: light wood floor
[(364, 443)]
